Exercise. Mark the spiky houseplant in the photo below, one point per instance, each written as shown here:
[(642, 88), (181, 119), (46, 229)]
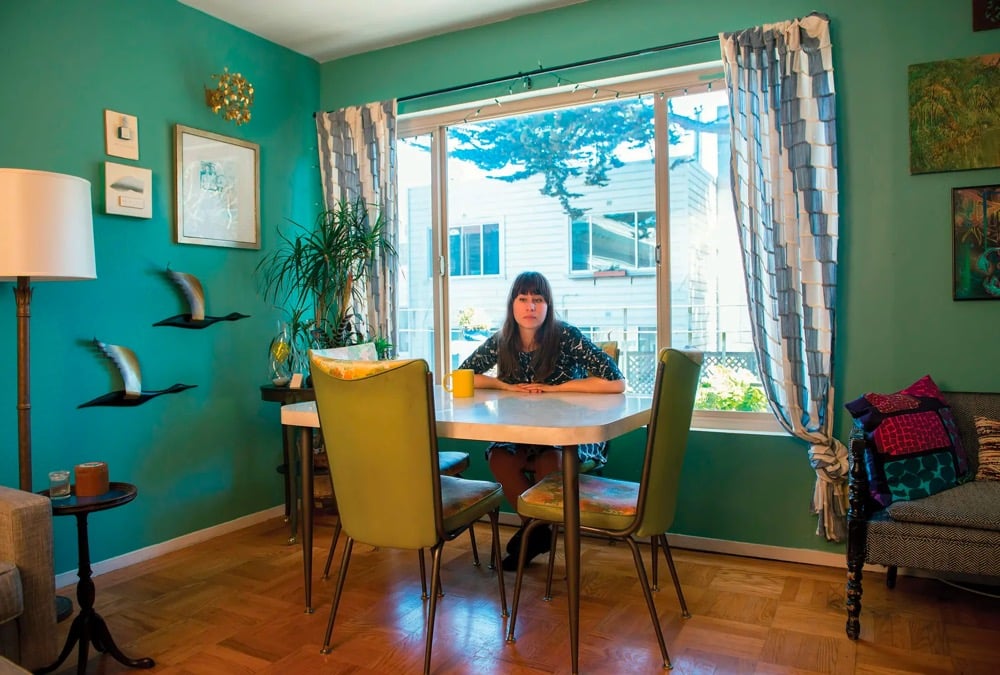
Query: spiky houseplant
[(325, 269)]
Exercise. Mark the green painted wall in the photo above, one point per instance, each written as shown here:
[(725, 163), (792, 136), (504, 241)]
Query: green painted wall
[(206, 455), (896, 320)]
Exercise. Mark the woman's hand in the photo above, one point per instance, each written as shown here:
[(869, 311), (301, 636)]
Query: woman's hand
[(587, 385)]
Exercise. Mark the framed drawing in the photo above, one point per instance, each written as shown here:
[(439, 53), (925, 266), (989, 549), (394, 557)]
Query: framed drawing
[(985, 14), (128, 190), (976, 238), (218, 189), (953, 127)]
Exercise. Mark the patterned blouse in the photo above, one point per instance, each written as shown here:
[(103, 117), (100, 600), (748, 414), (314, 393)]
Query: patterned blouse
[(578, 357)]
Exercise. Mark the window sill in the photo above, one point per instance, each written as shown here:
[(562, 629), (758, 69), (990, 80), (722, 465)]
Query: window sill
[(717, 421)]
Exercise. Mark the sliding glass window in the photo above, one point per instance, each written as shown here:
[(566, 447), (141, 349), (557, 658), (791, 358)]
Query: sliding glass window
[(619, 194)]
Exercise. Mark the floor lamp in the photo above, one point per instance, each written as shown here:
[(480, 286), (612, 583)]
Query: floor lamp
[(46, 234)]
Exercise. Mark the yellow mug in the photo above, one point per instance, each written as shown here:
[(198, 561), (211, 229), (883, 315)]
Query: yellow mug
[(460, 383)]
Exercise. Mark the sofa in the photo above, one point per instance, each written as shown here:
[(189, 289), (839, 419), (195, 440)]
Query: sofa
[(27, 582), (955, 531)]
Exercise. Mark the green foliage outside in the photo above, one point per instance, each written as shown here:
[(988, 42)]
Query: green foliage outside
[(724, 388)]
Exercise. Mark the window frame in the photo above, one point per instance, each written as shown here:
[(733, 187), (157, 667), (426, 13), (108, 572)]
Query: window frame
[(695, 78)]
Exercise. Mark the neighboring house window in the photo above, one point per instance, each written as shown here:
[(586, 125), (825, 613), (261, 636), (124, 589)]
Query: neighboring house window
[(474, 250), (613, 241), (620, 196)]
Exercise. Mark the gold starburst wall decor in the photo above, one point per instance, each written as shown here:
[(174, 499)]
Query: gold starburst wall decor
[(233, 97)]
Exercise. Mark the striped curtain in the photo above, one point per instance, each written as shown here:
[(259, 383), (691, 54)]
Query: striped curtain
[(357, 159), (784, 177)]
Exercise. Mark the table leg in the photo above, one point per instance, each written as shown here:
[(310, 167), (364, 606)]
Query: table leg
[(571, 525), (89, 627), (291, 490), (306, 459)]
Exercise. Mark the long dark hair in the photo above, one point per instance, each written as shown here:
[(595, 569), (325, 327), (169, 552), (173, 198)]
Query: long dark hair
[(546, 338)]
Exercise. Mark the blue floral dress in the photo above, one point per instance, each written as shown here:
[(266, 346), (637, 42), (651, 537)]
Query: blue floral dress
[(578, 357)]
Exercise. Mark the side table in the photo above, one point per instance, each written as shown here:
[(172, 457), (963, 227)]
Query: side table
[(289, 454), (89, 627)]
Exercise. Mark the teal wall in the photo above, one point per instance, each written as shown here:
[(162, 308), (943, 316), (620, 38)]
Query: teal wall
[(896, 320), (206, 455)]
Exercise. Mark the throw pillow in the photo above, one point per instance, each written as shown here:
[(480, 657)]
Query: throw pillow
[(989, 448), (912, 447)]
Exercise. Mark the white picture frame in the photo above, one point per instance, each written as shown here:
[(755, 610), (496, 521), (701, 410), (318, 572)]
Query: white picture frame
[(218, 189), (128, 190)]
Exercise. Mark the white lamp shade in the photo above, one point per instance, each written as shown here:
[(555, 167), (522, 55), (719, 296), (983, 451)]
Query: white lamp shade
[(46, 226)]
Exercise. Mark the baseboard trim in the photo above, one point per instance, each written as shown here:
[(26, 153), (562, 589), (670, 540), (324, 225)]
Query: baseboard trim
[(175, 544), (723, 546)]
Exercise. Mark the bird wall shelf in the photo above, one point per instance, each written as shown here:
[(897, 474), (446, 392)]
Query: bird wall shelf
[(195, 296), (132, 393)]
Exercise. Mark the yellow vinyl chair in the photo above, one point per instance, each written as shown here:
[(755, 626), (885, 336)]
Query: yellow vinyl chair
[(382, 448), (626, 510)]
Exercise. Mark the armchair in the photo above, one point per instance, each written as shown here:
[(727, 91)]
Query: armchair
[(27, 580)]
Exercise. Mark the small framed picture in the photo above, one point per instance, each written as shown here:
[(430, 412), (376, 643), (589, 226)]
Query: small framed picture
[(985, 14), (128, 190), (121, 135), (976, 239), (218, 189)]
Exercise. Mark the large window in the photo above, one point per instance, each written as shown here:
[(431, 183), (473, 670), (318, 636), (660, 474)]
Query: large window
[(622, 200)]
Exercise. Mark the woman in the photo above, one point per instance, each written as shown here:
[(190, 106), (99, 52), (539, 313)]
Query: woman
[(534, 353)]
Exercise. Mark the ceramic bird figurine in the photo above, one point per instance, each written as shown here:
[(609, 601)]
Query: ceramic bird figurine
[(193, 292), (128, 368)]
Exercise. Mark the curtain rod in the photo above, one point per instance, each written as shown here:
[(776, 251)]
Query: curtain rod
[(553, 69)]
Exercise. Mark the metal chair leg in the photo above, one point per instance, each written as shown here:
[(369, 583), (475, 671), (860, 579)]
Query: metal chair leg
[(495, 526), (336, 595), (435, 583), (333, 545), (475, 549), (522, 558), (673, 573), (640, 571), (552, 563)]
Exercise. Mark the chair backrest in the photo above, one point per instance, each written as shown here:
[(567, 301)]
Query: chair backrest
[(674, 392), (377, 419), (610, 348)]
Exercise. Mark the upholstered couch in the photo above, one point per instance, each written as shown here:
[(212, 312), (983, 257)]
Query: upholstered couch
[(955, 531), (27, 582)]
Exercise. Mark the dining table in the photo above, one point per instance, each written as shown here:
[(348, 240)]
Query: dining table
[(564, 419)]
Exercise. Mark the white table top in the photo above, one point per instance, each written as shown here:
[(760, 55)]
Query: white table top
[(494, 415)]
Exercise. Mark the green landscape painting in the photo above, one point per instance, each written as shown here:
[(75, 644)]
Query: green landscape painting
[(954, 123)]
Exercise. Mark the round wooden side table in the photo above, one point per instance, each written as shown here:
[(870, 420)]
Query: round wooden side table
[(89, 628)]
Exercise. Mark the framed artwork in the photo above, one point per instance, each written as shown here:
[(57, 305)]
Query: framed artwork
[(218, 189), (953, 125), (985, 14), (128, 190), (976, 239)]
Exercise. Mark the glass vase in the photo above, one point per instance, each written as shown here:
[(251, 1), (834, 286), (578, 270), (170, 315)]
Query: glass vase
[(280, 357)]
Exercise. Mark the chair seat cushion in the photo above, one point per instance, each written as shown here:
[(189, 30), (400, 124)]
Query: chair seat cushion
[(605, 503), (465, 501), (453, 462), (964, 550), (11, 594), (975, 504)]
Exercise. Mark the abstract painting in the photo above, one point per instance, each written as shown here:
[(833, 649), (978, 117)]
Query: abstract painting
[(976, 237), (953, 116)]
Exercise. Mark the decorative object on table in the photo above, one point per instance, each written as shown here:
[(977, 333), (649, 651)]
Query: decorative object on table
[(232, 97), (912, 446), (281, 360), (121, 135), (128, 190), (194, 294), (952, 127), (975, 221), (131, 393), (985, 14), (59, 486), (218, 189), (91, 479), (324, 269), (46, 233)]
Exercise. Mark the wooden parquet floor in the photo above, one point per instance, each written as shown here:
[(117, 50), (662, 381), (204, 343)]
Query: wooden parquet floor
[(234, 605)]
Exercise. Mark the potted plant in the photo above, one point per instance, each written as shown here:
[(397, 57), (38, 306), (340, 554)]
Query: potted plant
[(324, 269)]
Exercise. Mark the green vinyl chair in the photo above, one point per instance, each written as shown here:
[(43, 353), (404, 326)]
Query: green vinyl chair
[(382, 449), (625, 510)]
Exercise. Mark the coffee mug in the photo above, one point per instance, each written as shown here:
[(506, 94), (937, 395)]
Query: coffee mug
[(460, 383)]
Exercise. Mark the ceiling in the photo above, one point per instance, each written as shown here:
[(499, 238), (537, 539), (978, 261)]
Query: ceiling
[(331, 29)]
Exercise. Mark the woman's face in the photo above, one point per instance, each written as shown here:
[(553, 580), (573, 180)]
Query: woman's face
[(530, 310)]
